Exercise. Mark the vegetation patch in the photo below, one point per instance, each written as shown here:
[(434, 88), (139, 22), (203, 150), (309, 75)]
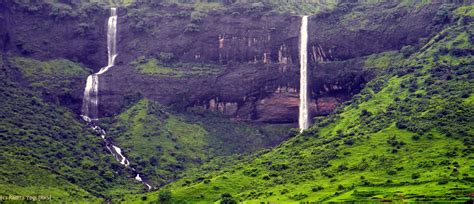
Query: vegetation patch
[(159, 67), (162, 144), (54, 77), (406, 137), (47, 151)]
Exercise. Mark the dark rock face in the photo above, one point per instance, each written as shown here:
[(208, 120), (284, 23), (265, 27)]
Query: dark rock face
[(257, 54), (39, 33), (343, 35)]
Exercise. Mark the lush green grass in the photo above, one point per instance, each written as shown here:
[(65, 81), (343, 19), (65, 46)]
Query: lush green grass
[(372, 15), (47, 151), (60, 67), (407, 136), (153, 66), (465, 11), (162, 144), (157, 143), (32, 180), (56, 77), (383, 60)]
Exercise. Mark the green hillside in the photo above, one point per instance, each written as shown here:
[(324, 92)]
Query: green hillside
[(162, 144), (47, 151), (407, 136)]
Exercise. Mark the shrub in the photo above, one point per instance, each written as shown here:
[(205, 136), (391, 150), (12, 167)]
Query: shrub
[(293, 132), (196, 17), (299, 196), (364, 112), (226, 198), (349, 141), (279, 167), (444, 13), (415, 175), (443, 180), (166, 57), (164, 196), (183, 14), (316, 188), (401, 124), (408, 50), (192, 28), (250, 172), (61, 11)]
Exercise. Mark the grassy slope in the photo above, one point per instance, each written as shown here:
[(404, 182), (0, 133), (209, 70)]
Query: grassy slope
[(408, 136), (46, 151), (162, 144), (153, 66), (50, 77)]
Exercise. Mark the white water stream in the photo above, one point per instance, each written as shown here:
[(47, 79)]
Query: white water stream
[(304, 99), (90, 103)]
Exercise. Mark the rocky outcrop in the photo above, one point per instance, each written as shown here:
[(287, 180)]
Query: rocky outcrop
[(42, 32), (256, 53)]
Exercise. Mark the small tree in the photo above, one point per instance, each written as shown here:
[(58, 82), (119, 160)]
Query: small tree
[(226, 198), (166, 57), (164, 196), (415, 175)]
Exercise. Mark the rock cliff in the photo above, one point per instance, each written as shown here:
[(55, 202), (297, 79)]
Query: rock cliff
[(254, 56)]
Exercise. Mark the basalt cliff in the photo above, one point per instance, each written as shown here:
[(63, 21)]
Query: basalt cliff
[(239, 62)]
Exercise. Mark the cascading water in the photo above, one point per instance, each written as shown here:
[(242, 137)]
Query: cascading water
[(90, 102), (304, 99)]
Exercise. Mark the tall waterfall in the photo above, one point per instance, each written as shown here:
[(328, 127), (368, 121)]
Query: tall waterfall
[(304, 99), (90, 102)]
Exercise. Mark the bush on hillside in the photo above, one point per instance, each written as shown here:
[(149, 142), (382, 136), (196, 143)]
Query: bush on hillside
[(165, 196), (226, 198), (407, 51)]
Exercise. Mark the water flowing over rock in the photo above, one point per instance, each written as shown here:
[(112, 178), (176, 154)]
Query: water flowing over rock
[(90, 104), (304, 99), (117, 152)]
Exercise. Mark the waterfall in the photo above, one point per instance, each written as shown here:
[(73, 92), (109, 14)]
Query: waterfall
[(138, 178), (119, 156), (117, 153), (90, 102), (111, 40), (304, 99)]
